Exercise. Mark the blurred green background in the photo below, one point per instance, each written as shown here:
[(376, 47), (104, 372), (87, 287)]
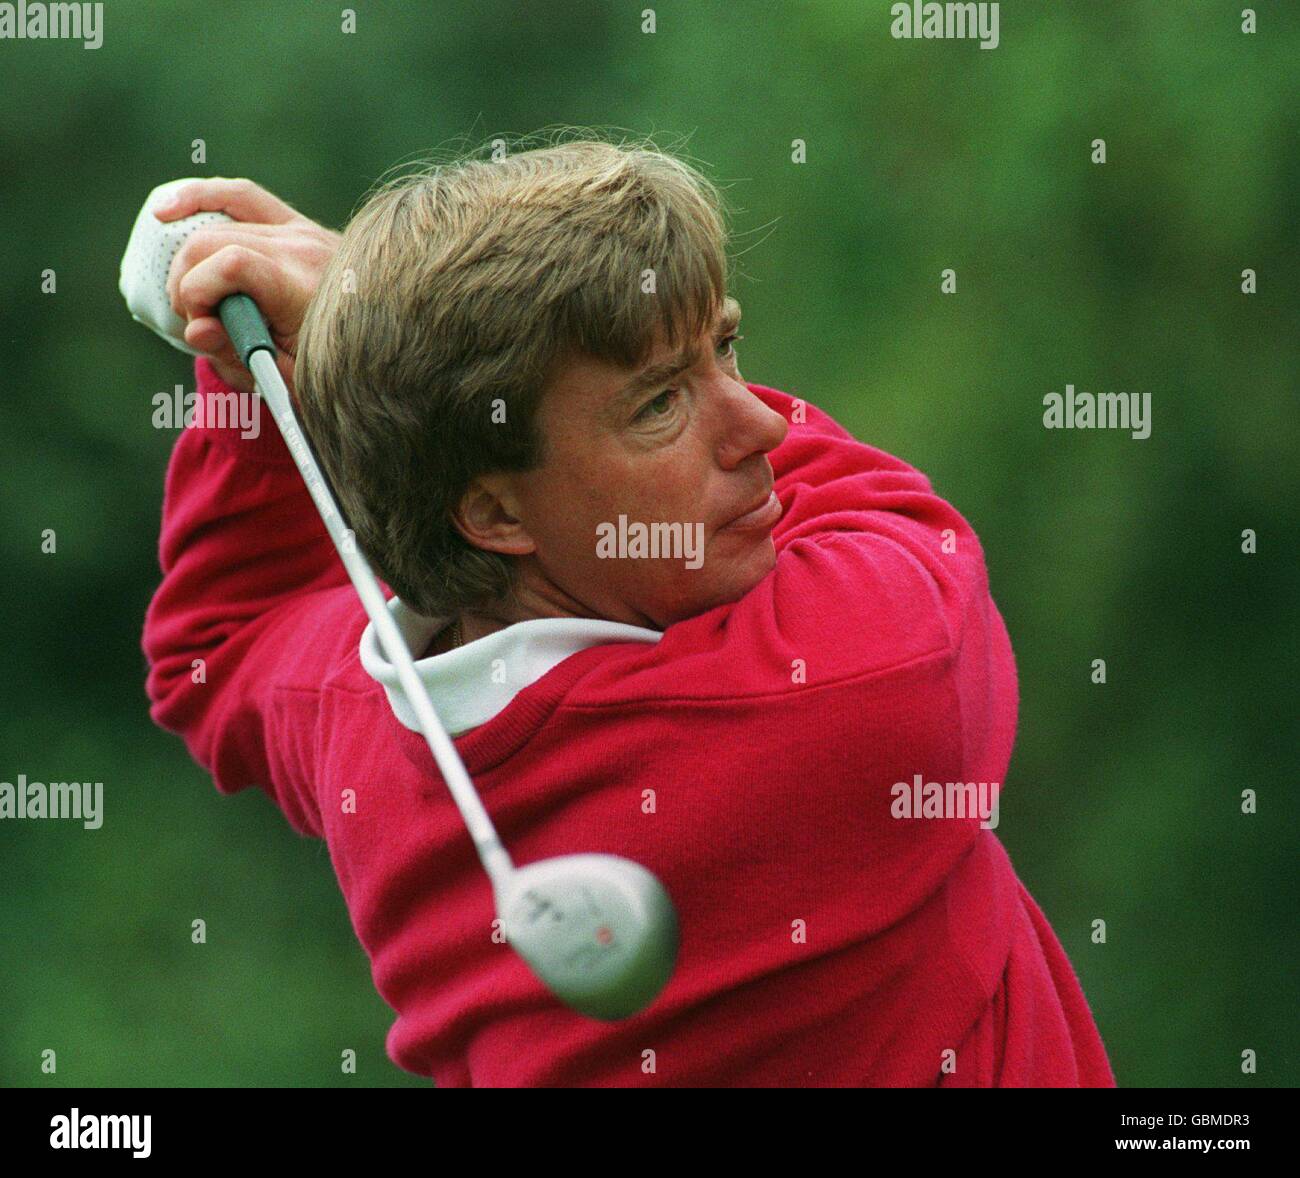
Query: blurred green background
[(1123, 800)]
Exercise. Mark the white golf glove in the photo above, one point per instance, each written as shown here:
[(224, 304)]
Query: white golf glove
[(148, 260)]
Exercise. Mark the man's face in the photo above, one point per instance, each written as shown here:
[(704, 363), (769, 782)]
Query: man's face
[(679, 441)]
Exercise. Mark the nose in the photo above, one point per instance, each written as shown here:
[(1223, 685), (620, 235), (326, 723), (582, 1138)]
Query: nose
[(746, 426)]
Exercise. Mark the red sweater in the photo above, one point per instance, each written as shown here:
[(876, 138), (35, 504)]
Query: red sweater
[(824, 941)]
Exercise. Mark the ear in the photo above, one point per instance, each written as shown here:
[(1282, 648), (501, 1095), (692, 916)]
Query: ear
[(487, 516)]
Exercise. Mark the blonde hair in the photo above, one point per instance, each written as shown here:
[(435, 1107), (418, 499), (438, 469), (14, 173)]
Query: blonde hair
[(455, 297)]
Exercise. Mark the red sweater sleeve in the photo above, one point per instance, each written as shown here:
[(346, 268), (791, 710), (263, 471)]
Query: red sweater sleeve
[(253, 610), (875, 648), (895, 564), (877, 571)]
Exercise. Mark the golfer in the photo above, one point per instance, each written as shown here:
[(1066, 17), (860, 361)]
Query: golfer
[(665, 613)]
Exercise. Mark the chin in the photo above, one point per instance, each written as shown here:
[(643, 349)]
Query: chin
[(746, 571), (743, 573), (756, 563)]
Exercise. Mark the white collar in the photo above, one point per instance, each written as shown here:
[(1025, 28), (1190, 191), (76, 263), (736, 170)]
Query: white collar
[(471, 684)]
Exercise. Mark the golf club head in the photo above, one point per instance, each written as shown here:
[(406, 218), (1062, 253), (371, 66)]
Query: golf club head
[(599, 931)]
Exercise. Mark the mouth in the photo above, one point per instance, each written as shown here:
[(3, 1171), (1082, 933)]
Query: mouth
[(761, 516)]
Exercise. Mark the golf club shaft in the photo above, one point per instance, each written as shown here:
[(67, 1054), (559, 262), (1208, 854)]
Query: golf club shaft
[(247, 330)]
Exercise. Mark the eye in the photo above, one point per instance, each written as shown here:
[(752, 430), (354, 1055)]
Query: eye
[(657, 407), (727, 346)]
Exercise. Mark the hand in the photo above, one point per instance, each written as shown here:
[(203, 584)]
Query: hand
[(269, 252)]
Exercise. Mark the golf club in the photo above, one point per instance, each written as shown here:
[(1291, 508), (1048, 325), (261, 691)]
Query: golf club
[(599, 931)]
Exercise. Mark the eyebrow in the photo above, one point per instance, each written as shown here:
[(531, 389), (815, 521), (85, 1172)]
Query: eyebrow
[(649, 378), (652, 377)]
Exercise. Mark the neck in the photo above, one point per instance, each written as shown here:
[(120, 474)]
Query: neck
[(534, 597)]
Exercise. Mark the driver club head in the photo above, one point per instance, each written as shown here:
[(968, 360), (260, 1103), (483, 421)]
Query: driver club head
[(599, 931)]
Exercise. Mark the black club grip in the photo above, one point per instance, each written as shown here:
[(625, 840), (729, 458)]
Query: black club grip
[(245, 326)]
